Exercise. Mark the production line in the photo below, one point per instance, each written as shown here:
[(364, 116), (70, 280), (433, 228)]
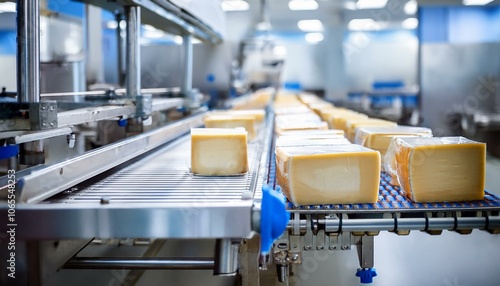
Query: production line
[(147, 179)]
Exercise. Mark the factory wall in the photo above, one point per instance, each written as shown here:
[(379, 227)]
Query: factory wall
[(460, 64), (381, 56)]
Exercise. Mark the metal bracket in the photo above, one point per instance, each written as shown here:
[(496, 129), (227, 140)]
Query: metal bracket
[(365, 248), (144, 105), (43, 115)]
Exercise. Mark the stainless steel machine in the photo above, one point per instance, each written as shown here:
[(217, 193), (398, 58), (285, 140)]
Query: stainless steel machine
[(129, 183)]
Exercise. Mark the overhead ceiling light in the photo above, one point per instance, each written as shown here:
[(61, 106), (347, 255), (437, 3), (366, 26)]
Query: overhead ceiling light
[(371, 4), (314, 38), (7, 7), (234, 5), (310, 25), (411, 7), (302, 5), (365, 25), (410, 23), (476, 2)]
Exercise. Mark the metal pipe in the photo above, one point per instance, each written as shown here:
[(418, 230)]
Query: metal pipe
[(226, 259), (144, 263), (120, 49), (133, 51), (118, 91), (28, 50), (187, 83), (282, 271)]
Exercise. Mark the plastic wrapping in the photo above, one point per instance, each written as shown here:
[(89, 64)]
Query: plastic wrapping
[(258, 100), (291, 109), (232, 121), (280, 128), (258, 114), (219, 151), (299, 122), (338, 120), (285, 141), (313, 133), (379, 138), (333, 174), (355, 123), (437, 169)]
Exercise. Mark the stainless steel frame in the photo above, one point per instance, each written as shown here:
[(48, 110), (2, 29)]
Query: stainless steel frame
[(133, 51), (163, 15), (28, 50)]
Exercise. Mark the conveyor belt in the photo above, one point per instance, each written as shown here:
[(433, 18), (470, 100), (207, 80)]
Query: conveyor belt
[(164, 177), (157, 197), (391, 199)]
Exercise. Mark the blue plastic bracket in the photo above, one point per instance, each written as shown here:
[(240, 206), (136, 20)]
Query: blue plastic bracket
[(273, 219), (8, 151)]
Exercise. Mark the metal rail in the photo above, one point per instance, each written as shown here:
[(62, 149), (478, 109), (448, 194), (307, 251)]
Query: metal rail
[(164, 16), (53, 179), (145, 263)]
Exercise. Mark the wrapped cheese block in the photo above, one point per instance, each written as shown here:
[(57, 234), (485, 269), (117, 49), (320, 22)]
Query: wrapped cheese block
[(258, 114), (232, 121), (353, 124), (338, 120), (313, 133), (219, 151), (293, 141), (379, 138), (337, 174), (438, 169), (304, 121), (257, 100), (301, 125)]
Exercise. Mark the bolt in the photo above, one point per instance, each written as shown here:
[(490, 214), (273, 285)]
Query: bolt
[(61, 171), (333, 247), (52, 124), (44, 124), (320, 247), (295, 246), (43, 108), (345, 247), (307, 247), (52, 108), (104, 200), (295, 257)]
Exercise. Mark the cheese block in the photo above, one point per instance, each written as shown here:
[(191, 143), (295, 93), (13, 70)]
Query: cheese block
[(379, 138), (338, 121), (232, 121), (291, 109), (292, 141), (319, 107), (257, 100), (258, 114), (438, 169), (313, 133), (301, 125), (338, 174), (326, 113), (219, 151), (353, 124)]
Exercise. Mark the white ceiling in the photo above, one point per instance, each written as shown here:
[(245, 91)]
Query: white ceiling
[(332, 12)]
